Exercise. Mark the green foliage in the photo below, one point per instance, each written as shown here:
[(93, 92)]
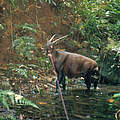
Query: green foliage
[(109, 62), (22, 71), (6, 96), (45, 63), (1, 26), (13, 3), (49, 1), (18, 70), (25, 47), (116, 104), (94, 20), (116, 95), (97, 22), (7, 118), (28, 27), (28, 71)]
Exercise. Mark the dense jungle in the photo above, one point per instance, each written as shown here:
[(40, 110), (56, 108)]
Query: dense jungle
[(27, 75)]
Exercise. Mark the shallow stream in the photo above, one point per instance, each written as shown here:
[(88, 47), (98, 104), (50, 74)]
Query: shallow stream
[(79, 106)]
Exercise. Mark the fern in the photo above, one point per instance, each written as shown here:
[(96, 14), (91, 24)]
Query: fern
[(15, 99), (25, 47), (28, 27)]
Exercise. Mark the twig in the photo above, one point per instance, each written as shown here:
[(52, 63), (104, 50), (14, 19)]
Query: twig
[(36, 12), (50, 55), (11, 28), (51, 85)]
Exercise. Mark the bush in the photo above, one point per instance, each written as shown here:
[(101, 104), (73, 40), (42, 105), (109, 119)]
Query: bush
[(109, 62)]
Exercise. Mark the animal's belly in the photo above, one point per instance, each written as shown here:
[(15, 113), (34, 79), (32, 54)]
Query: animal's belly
[(75, 72), (71, 75)]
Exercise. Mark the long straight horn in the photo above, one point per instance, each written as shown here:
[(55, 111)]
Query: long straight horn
[(52, 38), (59, 39)]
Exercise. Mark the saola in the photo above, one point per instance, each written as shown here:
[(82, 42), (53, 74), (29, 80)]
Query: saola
[(71, 65)]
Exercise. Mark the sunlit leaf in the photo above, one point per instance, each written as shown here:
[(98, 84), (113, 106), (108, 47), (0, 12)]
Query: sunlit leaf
[(111, 100), (15, 99), (42, 103), (116, 95), (28, 27), (1, 26)]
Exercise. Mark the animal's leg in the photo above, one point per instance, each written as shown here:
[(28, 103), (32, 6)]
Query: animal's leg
[(59, 79), (95, 83), (63, 81), (88, 81), (95, 80)]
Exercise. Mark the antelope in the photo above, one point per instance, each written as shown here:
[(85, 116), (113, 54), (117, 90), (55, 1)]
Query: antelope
[(71, 65)]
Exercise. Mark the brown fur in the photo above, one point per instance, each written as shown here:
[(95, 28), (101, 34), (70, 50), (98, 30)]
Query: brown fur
[(72, 65)]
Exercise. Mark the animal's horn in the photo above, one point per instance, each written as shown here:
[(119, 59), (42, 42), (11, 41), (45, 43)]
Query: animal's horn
[(52, 37), (59, 39)]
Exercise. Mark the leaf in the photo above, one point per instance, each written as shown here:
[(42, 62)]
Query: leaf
[(4, 101), (29, 28), (23, 3), (1, 26), (49, 1), (116, 95), (15, 99), (53, 2), (25, 47), (13, 3), (111, 100), (42, 103)]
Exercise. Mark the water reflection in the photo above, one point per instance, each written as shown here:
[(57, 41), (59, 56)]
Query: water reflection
[(93, 106), (80, 106)]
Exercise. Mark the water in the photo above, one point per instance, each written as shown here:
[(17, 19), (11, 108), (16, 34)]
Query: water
[(80, 106)]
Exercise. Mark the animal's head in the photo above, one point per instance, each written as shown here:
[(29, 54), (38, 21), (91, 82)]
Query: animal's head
[(49, 47)]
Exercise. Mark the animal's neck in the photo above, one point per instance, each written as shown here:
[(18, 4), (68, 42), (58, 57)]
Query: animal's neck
[(54, 54)]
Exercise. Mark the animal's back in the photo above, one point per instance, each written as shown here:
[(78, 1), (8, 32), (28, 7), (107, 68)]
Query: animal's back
[(77, 64)]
